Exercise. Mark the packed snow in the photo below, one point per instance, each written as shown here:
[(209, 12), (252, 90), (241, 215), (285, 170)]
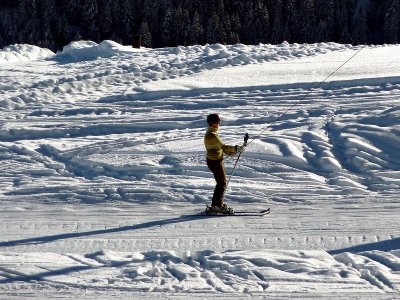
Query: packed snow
[(103, 177)]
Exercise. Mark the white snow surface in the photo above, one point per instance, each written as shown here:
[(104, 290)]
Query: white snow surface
[(103, 176)]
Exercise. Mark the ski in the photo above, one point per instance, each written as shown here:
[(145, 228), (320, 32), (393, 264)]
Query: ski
[(250, 212), (245, 213)]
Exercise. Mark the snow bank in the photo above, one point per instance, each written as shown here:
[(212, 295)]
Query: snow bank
[(202, 57), (22, 53), (88, 50)]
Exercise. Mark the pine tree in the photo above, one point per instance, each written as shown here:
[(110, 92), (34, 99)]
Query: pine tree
[(261, 23), (359, 33), (105, 15), (9, 28), (277, 28), (77, 36), (290, 23), (144, 31), (238, 5), (48, 22), (61, 33), (236, 28), (322, 34), (89, 12), (392, 23), (197, 30), (307, 20), (325, 18), (220, 8), (27, 25), (167, 29), (116, 21), (187, 27), (178, 26), (71, 8), (127, 19), (215, 31), (342, 27), (247, 22)]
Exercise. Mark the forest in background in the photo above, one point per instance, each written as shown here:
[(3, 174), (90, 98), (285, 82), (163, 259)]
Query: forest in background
[(164, 23)]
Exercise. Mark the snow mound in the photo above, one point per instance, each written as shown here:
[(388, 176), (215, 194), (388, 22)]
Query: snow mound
[(88, 50), (22, 53)]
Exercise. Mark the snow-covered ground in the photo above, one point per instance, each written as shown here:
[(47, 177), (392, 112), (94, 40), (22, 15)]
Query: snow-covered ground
[(103, 172)]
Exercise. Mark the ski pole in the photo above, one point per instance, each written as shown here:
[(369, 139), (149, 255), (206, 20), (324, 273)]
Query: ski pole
[(246, 138)]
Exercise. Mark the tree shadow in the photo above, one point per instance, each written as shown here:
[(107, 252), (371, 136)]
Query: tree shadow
[(63, 236), (386, 246)]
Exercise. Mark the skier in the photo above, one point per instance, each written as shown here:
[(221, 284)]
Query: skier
[(215, 162)]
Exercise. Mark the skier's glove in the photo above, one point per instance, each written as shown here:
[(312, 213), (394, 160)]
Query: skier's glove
[(239, 149)]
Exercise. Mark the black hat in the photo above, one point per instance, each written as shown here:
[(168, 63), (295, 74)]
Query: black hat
[(212, 119)]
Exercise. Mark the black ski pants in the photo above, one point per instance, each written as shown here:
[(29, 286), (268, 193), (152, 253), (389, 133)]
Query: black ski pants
[(218, 170)]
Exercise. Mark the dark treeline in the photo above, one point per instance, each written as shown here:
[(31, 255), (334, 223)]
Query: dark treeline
[(55, 23)]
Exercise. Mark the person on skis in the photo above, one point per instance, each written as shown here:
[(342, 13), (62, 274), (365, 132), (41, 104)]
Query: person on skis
[(215, 162)]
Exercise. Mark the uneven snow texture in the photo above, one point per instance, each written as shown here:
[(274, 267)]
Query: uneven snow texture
[(103, 172), (231, 272)]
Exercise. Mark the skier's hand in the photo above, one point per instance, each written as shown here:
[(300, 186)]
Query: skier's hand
[(239, 149)]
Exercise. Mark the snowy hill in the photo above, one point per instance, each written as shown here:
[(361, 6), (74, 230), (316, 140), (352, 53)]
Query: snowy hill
[(104, 175)]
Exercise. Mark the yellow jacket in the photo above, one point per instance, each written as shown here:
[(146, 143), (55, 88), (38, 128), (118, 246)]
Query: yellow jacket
[(215, 147)]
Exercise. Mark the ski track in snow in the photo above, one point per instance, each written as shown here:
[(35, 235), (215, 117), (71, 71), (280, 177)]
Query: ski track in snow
[(103, 171)]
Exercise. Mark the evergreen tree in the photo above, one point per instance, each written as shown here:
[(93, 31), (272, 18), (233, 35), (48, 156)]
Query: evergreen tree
[(178, 26), (153, 13), (307, 20), (247, 25), (290, 27), (72, 9), (392, 23), (116, 20), (360, 29), (215, 31), (106, 20), (61, 33), (89, 12), (325, 19), (127, 18), (144, 31), (46, 39), (220, 8), (342, 27), (48, 20), (277, 28), (27, 25), (236, 28), (187, 26), (8, 26), (197, 30), (262, 22), (77, 36), (167, 29), (238, 5)]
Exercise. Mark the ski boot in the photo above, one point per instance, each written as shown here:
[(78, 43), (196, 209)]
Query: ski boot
[(216, 210)]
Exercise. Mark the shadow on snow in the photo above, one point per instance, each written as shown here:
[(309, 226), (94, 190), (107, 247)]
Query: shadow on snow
[(63, 236), (386, 246)]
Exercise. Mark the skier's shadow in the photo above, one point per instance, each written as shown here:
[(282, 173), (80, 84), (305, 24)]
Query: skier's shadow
[(71, 235)]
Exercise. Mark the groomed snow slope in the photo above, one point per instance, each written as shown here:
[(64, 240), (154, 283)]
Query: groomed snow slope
[(103, 173)]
